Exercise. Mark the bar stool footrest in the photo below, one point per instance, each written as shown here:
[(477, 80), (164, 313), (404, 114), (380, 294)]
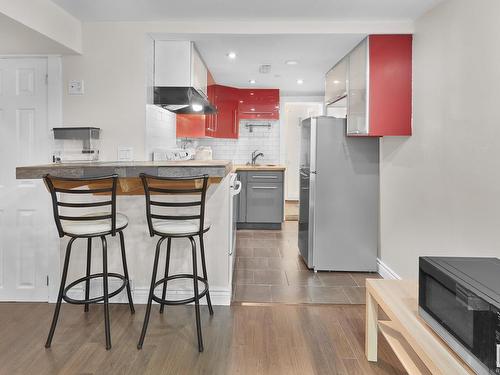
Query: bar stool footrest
[(95, 299), (181, 301)]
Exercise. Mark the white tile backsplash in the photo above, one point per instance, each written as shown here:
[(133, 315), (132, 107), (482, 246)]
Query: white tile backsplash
[(265, 139)]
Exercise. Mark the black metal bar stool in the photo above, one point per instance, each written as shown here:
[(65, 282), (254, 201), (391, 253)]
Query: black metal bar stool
[(88, 225), (173, 224)]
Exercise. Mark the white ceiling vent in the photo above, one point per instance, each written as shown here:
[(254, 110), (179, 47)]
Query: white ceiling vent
[(265, 68)]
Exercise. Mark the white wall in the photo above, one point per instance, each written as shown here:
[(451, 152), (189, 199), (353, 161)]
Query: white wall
[(440, 188), (113, 68)]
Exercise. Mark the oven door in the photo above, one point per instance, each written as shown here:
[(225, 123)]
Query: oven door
[(464, 320)]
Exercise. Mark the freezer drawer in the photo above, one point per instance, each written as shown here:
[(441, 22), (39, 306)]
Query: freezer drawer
[(264, 202)]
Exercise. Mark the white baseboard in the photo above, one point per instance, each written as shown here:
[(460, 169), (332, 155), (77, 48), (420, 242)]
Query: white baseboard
[(386, 272), (218, 296)]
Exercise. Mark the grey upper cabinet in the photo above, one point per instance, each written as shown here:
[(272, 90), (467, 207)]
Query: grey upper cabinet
[(357, 119), (336, 82), (261, 198)]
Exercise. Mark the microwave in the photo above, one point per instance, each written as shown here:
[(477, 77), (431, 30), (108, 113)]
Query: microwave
[(459, 298)]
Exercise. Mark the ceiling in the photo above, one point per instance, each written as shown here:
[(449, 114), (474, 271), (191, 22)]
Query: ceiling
[(154, 10), (315, 55)]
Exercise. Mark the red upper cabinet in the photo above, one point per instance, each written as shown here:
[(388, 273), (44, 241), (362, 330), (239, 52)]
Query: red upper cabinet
[(225, 121), (232, 105), (259, 104), (379, 89), (191, 126), (197, 126)]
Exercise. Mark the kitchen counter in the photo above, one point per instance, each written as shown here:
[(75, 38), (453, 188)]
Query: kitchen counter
[(126, 169), (261, 167), (140, 247)]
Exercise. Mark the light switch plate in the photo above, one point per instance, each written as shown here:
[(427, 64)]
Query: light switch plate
[(75, 87), (125, 153)]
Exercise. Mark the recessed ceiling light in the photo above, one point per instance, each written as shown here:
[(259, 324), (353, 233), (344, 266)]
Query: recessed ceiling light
[(196, 107), (251, 93), (252, 82), (300, 81), (336, 82), (231, 55), (241, 101), (252, 109), (291, 62)]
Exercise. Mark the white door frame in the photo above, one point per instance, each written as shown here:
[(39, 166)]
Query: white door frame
[(54, 119), (284, 100)]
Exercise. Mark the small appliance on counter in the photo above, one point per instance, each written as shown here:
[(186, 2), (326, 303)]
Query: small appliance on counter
[(459, 298), (76, 144), (203, 153), (173, 154)]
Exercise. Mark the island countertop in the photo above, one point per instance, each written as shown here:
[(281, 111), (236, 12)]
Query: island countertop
[(129, 169)]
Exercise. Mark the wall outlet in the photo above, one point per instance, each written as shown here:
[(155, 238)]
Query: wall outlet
[(76, 88)]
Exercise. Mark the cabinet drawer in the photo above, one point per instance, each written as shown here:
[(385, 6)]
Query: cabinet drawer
[(265, 176), (264, 202)]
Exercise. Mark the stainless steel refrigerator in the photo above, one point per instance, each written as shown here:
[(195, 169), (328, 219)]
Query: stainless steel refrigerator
[(339, 197)]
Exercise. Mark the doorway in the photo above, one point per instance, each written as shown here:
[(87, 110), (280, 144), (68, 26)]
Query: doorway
[(24, 205)]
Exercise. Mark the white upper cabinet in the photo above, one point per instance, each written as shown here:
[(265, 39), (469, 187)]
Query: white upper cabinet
[(357, 120), (199, 80), (178, 64), (336, 79)]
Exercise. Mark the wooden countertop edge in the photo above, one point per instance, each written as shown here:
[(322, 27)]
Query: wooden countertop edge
[(214, 168)]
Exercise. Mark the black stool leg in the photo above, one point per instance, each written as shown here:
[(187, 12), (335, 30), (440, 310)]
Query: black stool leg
[(204, 267), (196, 297), (87, 282), (105, 287), (125, 273), (60, 295), (167, 264), (151, 291)]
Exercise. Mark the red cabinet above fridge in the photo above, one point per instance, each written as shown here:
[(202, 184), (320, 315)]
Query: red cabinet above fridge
[(376, 79)]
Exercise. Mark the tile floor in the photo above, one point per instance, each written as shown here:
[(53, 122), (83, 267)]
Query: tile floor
[(269, 269)]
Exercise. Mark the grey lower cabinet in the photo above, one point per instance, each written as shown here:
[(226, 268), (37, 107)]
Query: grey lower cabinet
[(261, 200)]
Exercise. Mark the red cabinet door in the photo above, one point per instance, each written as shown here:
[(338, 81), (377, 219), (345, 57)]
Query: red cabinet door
[(259, 104), (190, 126), (390, 85), (226, 120)]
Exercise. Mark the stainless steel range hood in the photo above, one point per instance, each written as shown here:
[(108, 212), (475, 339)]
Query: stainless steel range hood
[(183, 100)]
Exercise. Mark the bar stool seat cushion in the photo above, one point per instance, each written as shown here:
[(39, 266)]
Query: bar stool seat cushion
[(90, 227), (179, 227)]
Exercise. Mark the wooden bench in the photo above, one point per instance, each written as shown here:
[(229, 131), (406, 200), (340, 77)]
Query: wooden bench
[(418, 348)]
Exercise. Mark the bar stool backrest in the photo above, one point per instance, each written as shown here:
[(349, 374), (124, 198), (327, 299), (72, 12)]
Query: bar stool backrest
[(75, 189), (175, 198)]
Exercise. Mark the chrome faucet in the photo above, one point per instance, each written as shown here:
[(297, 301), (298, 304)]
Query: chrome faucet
[(255, 155)]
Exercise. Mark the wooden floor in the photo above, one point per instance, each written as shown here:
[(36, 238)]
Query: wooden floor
[(270, 339), (291, 210)]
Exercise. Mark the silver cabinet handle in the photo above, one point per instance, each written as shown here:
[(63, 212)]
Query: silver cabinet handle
[(264, 187), (266, 177)]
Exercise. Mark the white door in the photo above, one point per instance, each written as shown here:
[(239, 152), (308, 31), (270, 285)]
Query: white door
[(24, 204), (294, 114)]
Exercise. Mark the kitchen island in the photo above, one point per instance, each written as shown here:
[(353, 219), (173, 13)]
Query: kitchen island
[(139, 245)]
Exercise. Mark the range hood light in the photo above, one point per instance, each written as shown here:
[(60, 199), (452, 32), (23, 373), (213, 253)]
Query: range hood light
[(197, 107)]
